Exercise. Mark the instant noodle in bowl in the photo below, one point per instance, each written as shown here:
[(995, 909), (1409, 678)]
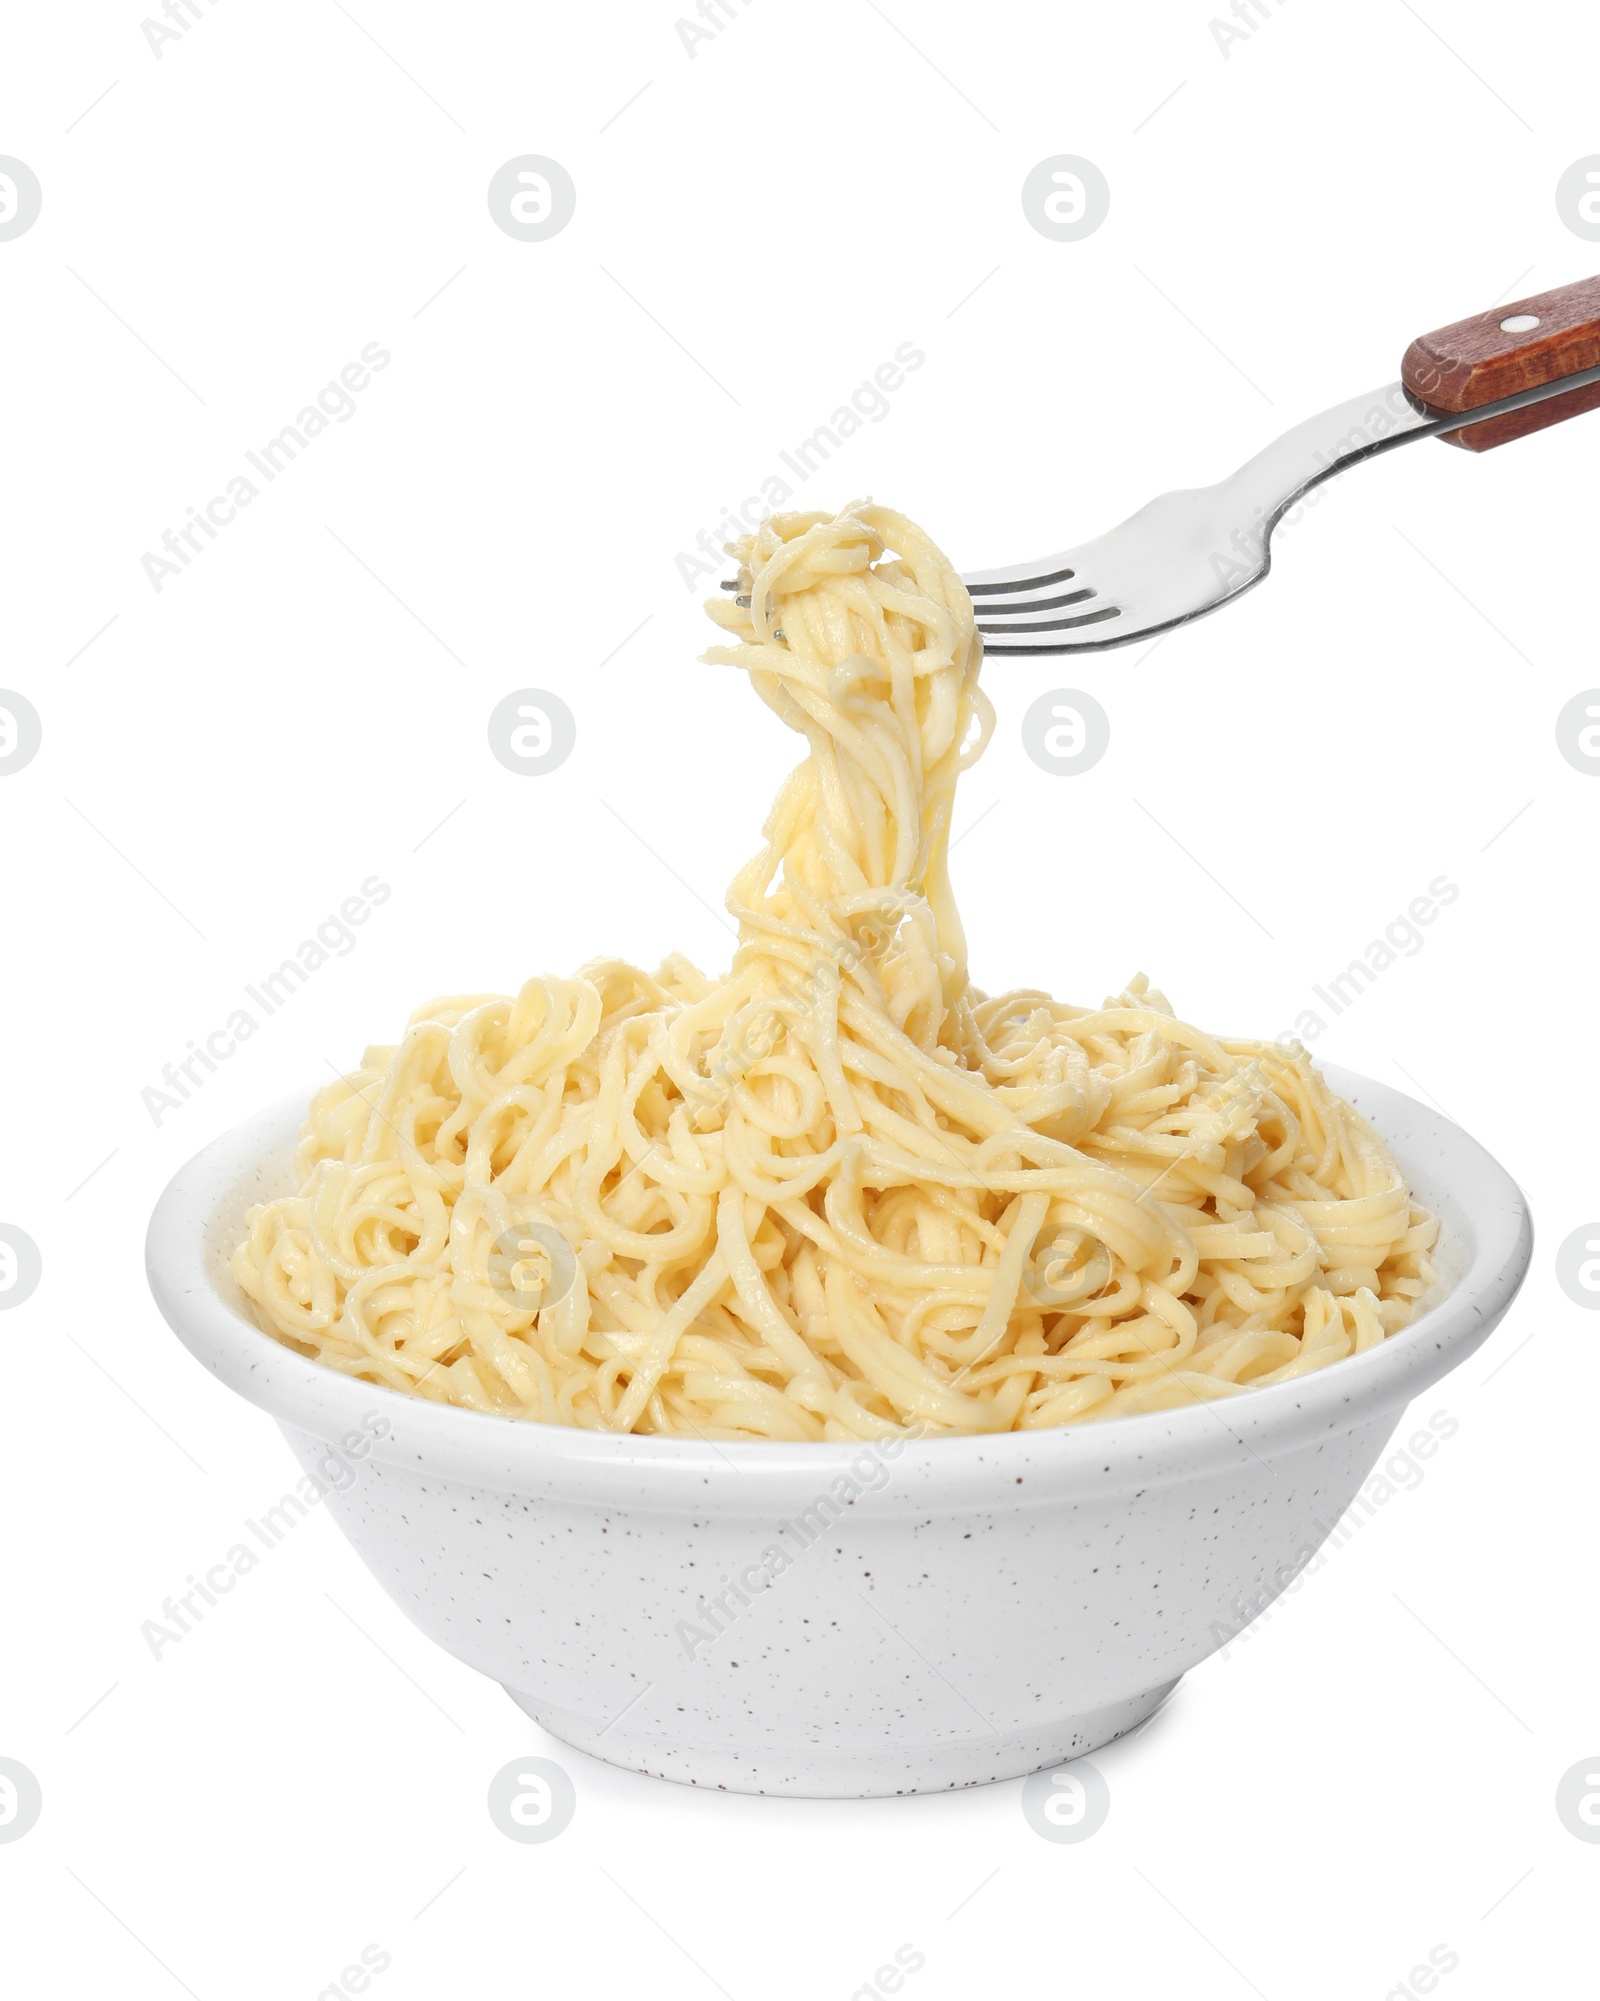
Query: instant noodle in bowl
[(825, 1378)]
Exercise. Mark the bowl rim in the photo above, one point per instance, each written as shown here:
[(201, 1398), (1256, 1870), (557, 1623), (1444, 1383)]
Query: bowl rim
[(560, 1462)]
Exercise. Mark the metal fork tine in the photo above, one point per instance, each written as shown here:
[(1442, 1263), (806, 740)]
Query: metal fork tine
[(975, 588), (1026, 630), (1035, 604)]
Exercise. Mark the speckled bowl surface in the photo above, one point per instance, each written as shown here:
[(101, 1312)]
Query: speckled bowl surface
[(837, 1620)]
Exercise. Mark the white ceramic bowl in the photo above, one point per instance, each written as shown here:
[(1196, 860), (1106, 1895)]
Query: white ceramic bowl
[(981, 1608)]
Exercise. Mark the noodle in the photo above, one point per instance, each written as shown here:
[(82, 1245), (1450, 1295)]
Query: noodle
[(839, 1193)]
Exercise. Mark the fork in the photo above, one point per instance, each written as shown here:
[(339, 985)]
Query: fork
[(1478, 383)]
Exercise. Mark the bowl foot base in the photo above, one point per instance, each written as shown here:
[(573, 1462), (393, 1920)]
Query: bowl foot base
[(835, 1770)]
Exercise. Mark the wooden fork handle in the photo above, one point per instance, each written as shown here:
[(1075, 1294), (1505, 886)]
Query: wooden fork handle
[(1484, 358)]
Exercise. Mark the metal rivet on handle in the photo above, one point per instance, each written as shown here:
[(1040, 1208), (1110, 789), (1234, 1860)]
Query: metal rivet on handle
[(1520, 323)]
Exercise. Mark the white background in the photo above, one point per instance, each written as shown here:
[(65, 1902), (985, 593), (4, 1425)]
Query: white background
[(223, 763)]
